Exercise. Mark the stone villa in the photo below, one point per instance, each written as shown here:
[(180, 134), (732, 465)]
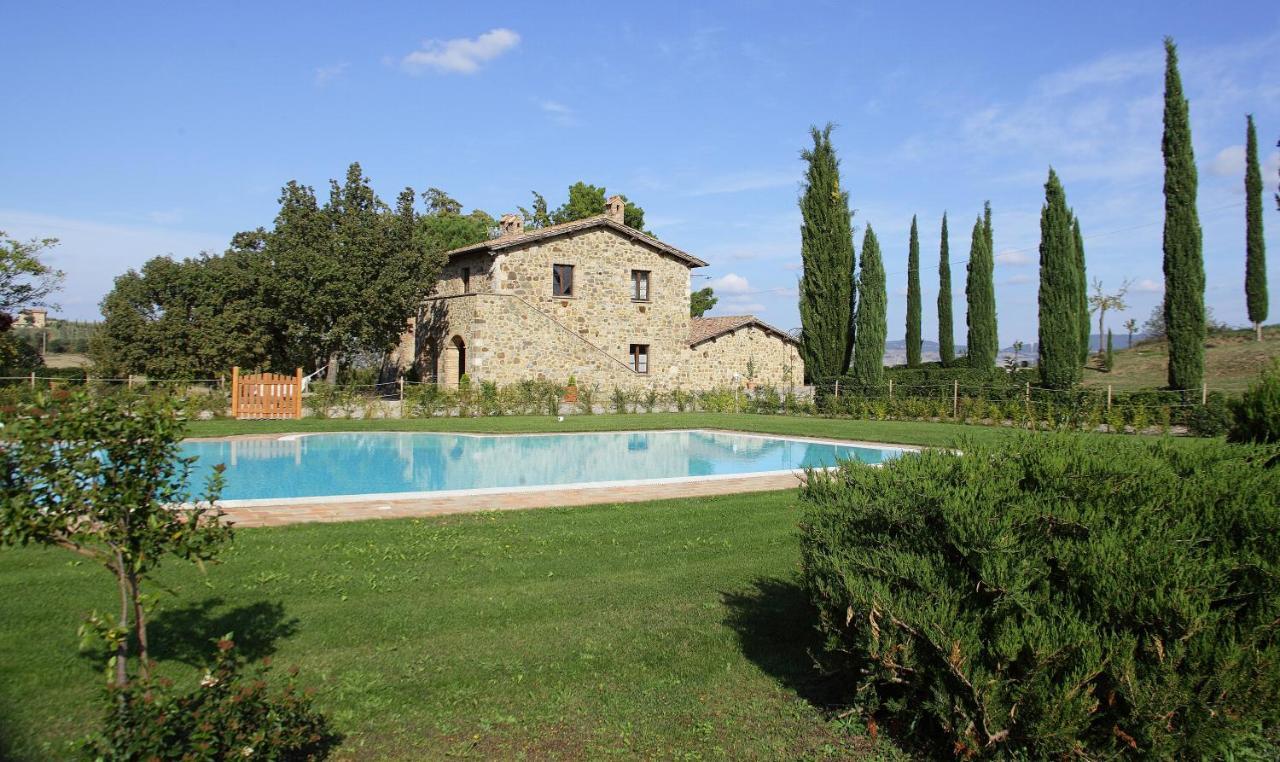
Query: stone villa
[(591, 299)]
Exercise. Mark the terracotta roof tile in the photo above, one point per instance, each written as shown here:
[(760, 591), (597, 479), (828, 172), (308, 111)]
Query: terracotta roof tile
[(707, 328), (600, 220)]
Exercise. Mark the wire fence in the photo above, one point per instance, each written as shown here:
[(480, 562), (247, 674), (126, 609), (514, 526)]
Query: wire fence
[(973, 401)]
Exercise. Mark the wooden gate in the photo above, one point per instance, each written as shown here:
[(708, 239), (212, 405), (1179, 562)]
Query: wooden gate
[(266, 395)]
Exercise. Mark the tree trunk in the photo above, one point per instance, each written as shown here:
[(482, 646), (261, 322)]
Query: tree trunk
[(122, 647), (331, 375), (1257, 331), (1102, 313), (139, 625)]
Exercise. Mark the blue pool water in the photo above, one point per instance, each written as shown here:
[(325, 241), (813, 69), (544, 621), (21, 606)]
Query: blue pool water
[(382, 463)]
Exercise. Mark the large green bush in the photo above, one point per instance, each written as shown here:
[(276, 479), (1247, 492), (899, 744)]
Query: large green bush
[(1056, 596), (1257, 413)]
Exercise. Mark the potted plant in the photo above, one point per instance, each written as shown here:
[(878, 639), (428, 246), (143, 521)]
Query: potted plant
[(571, 391)]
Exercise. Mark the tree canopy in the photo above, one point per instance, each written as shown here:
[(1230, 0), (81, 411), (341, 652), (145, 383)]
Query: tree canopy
[(25, 279), (583, 201), (701, 301), (324, 284)]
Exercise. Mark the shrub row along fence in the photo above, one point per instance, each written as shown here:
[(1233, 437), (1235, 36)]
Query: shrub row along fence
[(998, 399)]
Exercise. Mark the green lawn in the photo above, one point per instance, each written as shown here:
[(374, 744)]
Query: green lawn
[(892, 432), (671, 629)]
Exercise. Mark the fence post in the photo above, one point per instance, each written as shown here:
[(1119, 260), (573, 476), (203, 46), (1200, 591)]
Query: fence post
[(128, 382), (955, 398), (837, 388), (400, 381), (297, 393), (1204, 393), (1026, 394), (891, 388), (235, 392), (1108, 398), (33, 379)]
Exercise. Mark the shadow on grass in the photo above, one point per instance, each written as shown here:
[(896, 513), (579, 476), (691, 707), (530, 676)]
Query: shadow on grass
[(776, 628), (188, 633)]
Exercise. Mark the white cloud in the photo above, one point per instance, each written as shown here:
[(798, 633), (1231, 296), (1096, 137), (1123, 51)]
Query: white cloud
[(1229, 162), (558, 112), (1018, 280), (1109, 70), (731, 283), (741, 306), (1013, 258), (1148, 286), (737, 182), (326, 74), (462, 55)]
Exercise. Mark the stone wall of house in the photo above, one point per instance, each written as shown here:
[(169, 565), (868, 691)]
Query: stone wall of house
[(747, 354), (514, 329)]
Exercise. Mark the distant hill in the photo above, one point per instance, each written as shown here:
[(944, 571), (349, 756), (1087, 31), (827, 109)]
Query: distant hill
[(1232, 361)]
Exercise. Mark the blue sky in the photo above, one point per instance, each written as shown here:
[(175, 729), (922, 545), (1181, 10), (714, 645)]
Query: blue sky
[(138, 129)]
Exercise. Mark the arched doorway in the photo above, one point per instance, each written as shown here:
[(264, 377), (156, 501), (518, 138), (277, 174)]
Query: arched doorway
[(453, 363)]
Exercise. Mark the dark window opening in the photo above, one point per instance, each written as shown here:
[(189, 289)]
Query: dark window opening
[(640, 285), (562, 280), (466, 280), (640, 358)]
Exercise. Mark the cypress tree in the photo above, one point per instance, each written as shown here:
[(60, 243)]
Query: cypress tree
[(946, 329), (1184, 315), (1082, 291), (1109, 359), (1255, 262), (981, 299), (1059, 330), (826, 252), (913, 297), (870, 326)]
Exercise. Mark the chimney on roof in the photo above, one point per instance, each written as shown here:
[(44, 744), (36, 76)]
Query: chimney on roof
[(614, 207), (510, 224)]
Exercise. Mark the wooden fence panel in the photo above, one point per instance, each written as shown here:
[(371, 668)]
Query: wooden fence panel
[(266, 395)]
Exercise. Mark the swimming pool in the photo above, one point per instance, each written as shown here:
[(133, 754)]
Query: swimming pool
[(398, 465)]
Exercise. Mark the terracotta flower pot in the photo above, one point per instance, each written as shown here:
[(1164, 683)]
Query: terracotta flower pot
[(571, 394)]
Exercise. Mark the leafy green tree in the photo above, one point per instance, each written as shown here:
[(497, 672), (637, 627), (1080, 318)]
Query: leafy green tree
[(444, 227), (913, 297), (1184, 314), (1109, 359), (1059, 317), (946, 329), (1255, 263), (826, 252), (584, 201), (104, 478), (25, 280), (1082, 291), (1130, 326), (870, 327), (701, 301), (980, 295), (1101, 302)]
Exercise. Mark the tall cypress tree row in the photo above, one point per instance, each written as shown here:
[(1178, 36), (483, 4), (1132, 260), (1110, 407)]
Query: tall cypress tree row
[(946, 327), (1184, 317), (980, 296), (870, 326), (826, 252), (1059, 363), (1082, 291), (1255, 262), (913, 297)]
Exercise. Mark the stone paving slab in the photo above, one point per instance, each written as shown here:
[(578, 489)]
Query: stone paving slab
[(339, 510)]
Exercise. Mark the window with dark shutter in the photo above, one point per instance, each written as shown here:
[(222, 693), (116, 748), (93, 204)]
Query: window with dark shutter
[(562, 280), (640, 285), (640, 358)]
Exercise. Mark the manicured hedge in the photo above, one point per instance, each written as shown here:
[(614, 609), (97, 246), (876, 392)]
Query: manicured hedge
[(1056, 596)]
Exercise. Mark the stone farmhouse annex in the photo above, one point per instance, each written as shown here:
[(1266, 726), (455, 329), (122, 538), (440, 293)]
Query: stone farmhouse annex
[(591, 299)]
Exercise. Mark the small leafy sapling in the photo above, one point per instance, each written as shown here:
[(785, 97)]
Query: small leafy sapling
[(104, 478)]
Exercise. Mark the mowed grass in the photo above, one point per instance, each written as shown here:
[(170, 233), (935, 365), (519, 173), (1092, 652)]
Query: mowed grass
[(1232, 361), (889, 432), (669, 629)]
